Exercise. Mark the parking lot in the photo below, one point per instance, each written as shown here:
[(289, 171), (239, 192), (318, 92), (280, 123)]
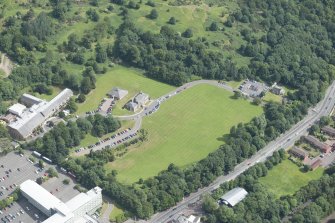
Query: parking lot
[(106, 106), (22, 211), (15, 169), (253, 88)]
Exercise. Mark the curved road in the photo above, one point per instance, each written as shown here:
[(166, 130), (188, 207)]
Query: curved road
[(149, 109), (287, 139)]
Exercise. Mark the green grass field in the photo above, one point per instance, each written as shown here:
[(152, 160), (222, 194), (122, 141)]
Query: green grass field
[(234, 84), (184, 130), (269, 96), (127, 78), (286, 178), (115, 213), (55, 91)]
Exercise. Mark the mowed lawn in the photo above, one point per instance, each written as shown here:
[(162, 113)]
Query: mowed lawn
[(286, 178), (184, 130), (126, 78)]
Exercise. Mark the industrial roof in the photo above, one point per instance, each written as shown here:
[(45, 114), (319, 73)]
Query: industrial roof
[(82, 198), (78, 201), (58, 218), (37, 114), (56, 101), (30, 100), (64, 211), (17, 109), (234, 196), (41, 196)]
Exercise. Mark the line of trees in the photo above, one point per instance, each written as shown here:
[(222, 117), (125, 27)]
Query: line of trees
[(56, 143)]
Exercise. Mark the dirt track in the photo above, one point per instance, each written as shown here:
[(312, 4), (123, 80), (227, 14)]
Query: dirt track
[(6, 65)]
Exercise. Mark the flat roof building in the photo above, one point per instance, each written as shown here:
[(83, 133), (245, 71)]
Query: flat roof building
[(76, 210), (17, 109), (233, 196), (184, 219), (33, 117), (323, 147)]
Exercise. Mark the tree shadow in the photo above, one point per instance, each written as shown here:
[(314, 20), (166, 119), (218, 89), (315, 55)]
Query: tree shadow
[(223, 138)]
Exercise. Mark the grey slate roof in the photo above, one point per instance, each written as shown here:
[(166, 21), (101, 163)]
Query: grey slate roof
[(298, 151), (329, 130), (132, 106), (234, 196), (118, 93), (141, 98)]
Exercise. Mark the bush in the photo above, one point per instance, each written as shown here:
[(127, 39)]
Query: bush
[(214, 26), (52, 172), (81, 98), (188, 33), (172, 21), (153, 14), (151, 3), (66, 181)]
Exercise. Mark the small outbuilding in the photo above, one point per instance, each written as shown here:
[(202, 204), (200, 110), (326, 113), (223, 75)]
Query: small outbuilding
[(278, 90), (233, 197), (117, 93)]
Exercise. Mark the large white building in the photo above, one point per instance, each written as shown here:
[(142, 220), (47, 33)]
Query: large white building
[(76, 210), (233, 197), (37, 112)]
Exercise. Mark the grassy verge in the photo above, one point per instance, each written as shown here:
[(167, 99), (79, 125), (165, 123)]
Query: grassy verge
[(184, 130), (115, 213), (272, 97), (55, 91), (286, 178)]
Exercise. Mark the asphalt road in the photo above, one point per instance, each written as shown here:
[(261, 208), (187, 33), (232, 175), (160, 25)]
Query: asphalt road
[(284, 141)]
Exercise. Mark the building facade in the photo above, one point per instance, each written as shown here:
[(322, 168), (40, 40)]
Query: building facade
[(34, 116), (78, 209)]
